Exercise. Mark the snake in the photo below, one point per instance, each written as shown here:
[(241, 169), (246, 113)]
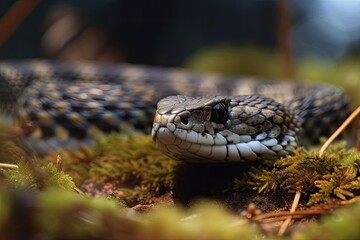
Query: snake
[(193, 117)]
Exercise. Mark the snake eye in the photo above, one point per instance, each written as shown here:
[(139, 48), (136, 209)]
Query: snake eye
[(219, 113), (184, 120)]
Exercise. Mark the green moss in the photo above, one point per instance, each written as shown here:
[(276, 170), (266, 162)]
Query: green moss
[(32, 176), (334, 175), (4, 208), (205, 220), (136, 162), (71, 215), (133, 162), (58, 214)]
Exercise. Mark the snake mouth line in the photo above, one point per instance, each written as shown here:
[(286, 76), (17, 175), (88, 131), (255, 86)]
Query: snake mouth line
[(190, 146)]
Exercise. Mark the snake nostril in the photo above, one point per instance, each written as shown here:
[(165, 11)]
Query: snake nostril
[(184, 120)]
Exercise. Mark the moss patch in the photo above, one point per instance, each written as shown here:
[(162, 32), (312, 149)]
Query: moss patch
[(50, 207), (130, 167), (332, 176)]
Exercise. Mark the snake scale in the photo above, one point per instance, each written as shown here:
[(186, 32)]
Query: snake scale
[(200, 118)]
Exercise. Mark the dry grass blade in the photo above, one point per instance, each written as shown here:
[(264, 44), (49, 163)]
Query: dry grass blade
[(7, 165), (295, 204), (340, 129)]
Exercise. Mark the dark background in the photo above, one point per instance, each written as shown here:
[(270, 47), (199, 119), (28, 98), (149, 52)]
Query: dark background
[(168, 32), (152, 32)]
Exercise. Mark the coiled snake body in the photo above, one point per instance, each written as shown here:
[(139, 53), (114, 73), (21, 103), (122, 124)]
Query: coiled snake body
[(226, 119)]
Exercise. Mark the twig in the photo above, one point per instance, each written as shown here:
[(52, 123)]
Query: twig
[(7, 165), (276, 215), (350, 201), (283, 35), (59, 163), (295, 204), (78, 190), (339, 130)]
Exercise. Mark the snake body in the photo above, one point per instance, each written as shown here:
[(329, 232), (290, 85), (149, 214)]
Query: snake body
[(206, 117)]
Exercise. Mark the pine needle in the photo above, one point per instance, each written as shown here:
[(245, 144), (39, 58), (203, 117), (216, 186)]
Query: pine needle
[(339, 130), (294, 206), (7, 165)]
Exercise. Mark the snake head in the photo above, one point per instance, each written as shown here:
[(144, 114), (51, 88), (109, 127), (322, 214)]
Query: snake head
[(219, 128)]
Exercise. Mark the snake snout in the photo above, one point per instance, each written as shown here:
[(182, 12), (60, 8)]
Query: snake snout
[(183, 127)]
